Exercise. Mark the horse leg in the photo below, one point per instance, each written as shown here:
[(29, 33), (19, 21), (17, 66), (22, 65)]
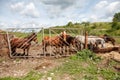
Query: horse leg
[(44, 48), (79, 45), (91, 46), (28, 51), (96, 44), (113, 42), (102, 44), (13, 51), (82, 46), (23, 52)]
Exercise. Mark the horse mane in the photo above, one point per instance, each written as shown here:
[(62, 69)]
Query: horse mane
[(31, 35)]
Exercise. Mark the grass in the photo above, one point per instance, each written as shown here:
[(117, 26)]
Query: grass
[(30, 76), (117, 40), (96, 28), (81, 66)]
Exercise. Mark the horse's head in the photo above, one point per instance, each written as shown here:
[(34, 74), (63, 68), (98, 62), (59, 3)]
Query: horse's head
[(63, 35), (35, 40), (105, 35), (108, 38), (33, 37)]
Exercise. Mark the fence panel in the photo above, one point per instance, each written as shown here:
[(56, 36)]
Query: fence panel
[(21, 40), (38, 50)]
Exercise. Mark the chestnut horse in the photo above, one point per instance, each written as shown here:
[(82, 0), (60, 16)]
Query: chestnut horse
[(56, 41), (23, 43)]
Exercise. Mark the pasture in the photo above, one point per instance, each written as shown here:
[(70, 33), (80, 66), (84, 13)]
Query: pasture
[(80, 65)]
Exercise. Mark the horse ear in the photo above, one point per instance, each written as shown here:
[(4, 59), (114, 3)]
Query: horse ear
[(105, 35), (61, 33), (34, 33), (64, 32)]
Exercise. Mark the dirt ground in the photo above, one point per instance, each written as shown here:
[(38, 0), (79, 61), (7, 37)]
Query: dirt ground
[(21, 66), (111, 55)]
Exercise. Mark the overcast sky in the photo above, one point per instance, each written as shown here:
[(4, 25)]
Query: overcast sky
[(45, 13)]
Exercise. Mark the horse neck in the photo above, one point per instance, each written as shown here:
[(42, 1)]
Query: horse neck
[(30, 38)]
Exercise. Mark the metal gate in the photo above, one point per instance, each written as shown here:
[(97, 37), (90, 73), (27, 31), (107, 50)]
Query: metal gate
[(65, 50), (36, 50)]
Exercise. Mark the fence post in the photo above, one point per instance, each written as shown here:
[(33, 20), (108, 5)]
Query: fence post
[(86, 39), (44, 44), (50, 43), (9, 45)]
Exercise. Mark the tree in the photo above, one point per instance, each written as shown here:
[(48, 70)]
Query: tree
[(116, 17), (116, 21), (70, 24), (86, 23)]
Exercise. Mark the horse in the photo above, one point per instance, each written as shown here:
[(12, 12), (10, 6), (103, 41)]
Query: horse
[(92, 41), (23, 43), (71, 42), (108, 38), (56, 41)]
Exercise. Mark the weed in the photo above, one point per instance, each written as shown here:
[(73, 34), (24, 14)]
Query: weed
[(85, 55)]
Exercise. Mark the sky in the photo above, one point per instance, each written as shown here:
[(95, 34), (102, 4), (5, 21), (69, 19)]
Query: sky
[(47, 13)]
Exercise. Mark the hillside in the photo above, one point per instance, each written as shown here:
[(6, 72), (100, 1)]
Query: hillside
[(96, 28)]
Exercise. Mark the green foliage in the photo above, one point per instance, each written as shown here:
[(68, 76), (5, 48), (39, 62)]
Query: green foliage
[(9, 78), (30, 76), (86, 23), (109, 74), (115, 26), (87, 77), (83, 67), (116, 17), (85, 55), (70, 24)]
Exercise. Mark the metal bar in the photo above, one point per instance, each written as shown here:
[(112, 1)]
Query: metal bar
[(50, 43), (9, 45), (66, 28), (44, 44)]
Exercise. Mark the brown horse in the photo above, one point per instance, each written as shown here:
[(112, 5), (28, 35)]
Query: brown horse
[(23, 43), (108, 38), (56, 41)]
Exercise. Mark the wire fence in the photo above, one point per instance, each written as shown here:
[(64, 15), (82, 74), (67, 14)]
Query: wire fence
[(38, 50)]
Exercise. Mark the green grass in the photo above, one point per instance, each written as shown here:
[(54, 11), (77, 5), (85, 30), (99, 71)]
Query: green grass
[(30, 76), (81, 66), (117, 40)]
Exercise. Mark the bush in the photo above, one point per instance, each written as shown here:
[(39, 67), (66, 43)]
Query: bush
[(85, 55)]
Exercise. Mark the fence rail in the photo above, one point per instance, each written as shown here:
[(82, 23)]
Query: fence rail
[(36, 50)]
